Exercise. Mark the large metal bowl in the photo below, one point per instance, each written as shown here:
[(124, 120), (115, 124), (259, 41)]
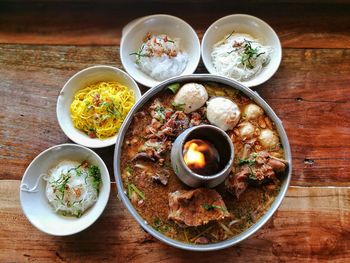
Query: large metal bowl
[(258, 100)]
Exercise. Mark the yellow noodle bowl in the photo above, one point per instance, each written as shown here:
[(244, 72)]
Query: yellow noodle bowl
[(100, 109)]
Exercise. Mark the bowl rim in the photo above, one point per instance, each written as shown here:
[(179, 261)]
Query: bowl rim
[(121, 193), (105, 184), (260, 21), (135, 23), (101, 143)]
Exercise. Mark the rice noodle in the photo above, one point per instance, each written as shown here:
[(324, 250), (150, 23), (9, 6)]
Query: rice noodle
[(227, 230), (233, 222), (161, 57), (71, 188), (141, 166), (24, 187), (240, 56), (201, 233)]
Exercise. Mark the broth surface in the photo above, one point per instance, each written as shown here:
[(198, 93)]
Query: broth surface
[(151, 196)]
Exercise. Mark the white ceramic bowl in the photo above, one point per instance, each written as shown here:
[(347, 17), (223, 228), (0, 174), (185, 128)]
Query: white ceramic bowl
[(135, 31), (243, 24), (35, 204), (79, 81)]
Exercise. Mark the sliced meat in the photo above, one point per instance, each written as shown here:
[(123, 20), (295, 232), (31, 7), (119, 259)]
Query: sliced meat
[(259, 167), (152, 149), (168, 125), (141, 179), (162, 177), (158, 111), (277, 165), (237, 183), (139, 115), (155, 124), (201, 240), (144, 156), (196, 207), (180, 122), (196, 119)]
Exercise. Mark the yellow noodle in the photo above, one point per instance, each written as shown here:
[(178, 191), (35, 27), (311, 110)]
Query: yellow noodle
[(100, 109)]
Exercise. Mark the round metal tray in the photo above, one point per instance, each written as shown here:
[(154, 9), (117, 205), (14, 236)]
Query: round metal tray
[(259, 101)]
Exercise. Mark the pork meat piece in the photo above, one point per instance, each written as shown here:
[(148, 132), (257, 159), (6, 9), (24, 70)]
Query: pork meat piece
[(196, 207), (258, 167)]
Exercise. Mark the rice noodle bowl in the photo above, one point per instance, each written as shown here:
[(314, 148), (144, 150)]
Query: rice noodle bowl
[(240, 56), (161, 57)]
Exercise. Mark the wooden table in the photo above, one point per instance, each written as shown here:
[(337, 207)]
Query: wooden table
[(43, 43)]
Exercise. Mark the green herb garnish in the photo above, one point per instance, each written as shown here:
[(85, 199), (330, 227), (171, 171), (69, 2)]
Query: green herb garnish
[(79, 213), (230, 35), (160, 112), (76, 168), (250, 161), (105, 104), (245, 161), (139, 54), (176, 169), (132, 188), (61, 183), (159, 225), (79, 172), (128, 170), (95, 173), (174, 87), (251, 173), (249, 53), (210, 207), (157, 222), (178, 106), (250, 218), (111, 109)]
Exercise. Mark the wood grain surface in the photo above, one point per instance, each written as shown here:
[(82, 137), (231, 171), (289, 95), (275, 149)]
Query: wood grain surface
[(43, 43), (311, 99), (312, 223), (304, 24)]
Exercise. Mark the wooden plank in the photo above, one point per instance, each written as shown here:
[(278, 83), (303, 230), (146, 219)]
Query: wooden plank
[(299, 25), (313, 101), (310, 93), (311, 224)]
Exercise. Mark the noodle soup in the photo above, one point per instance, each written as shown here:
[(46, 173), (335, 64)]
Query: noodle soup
[(201, 215)]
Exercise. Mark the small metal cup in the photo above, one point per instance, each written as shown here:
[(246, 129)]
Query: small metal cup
[(222, 143)]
